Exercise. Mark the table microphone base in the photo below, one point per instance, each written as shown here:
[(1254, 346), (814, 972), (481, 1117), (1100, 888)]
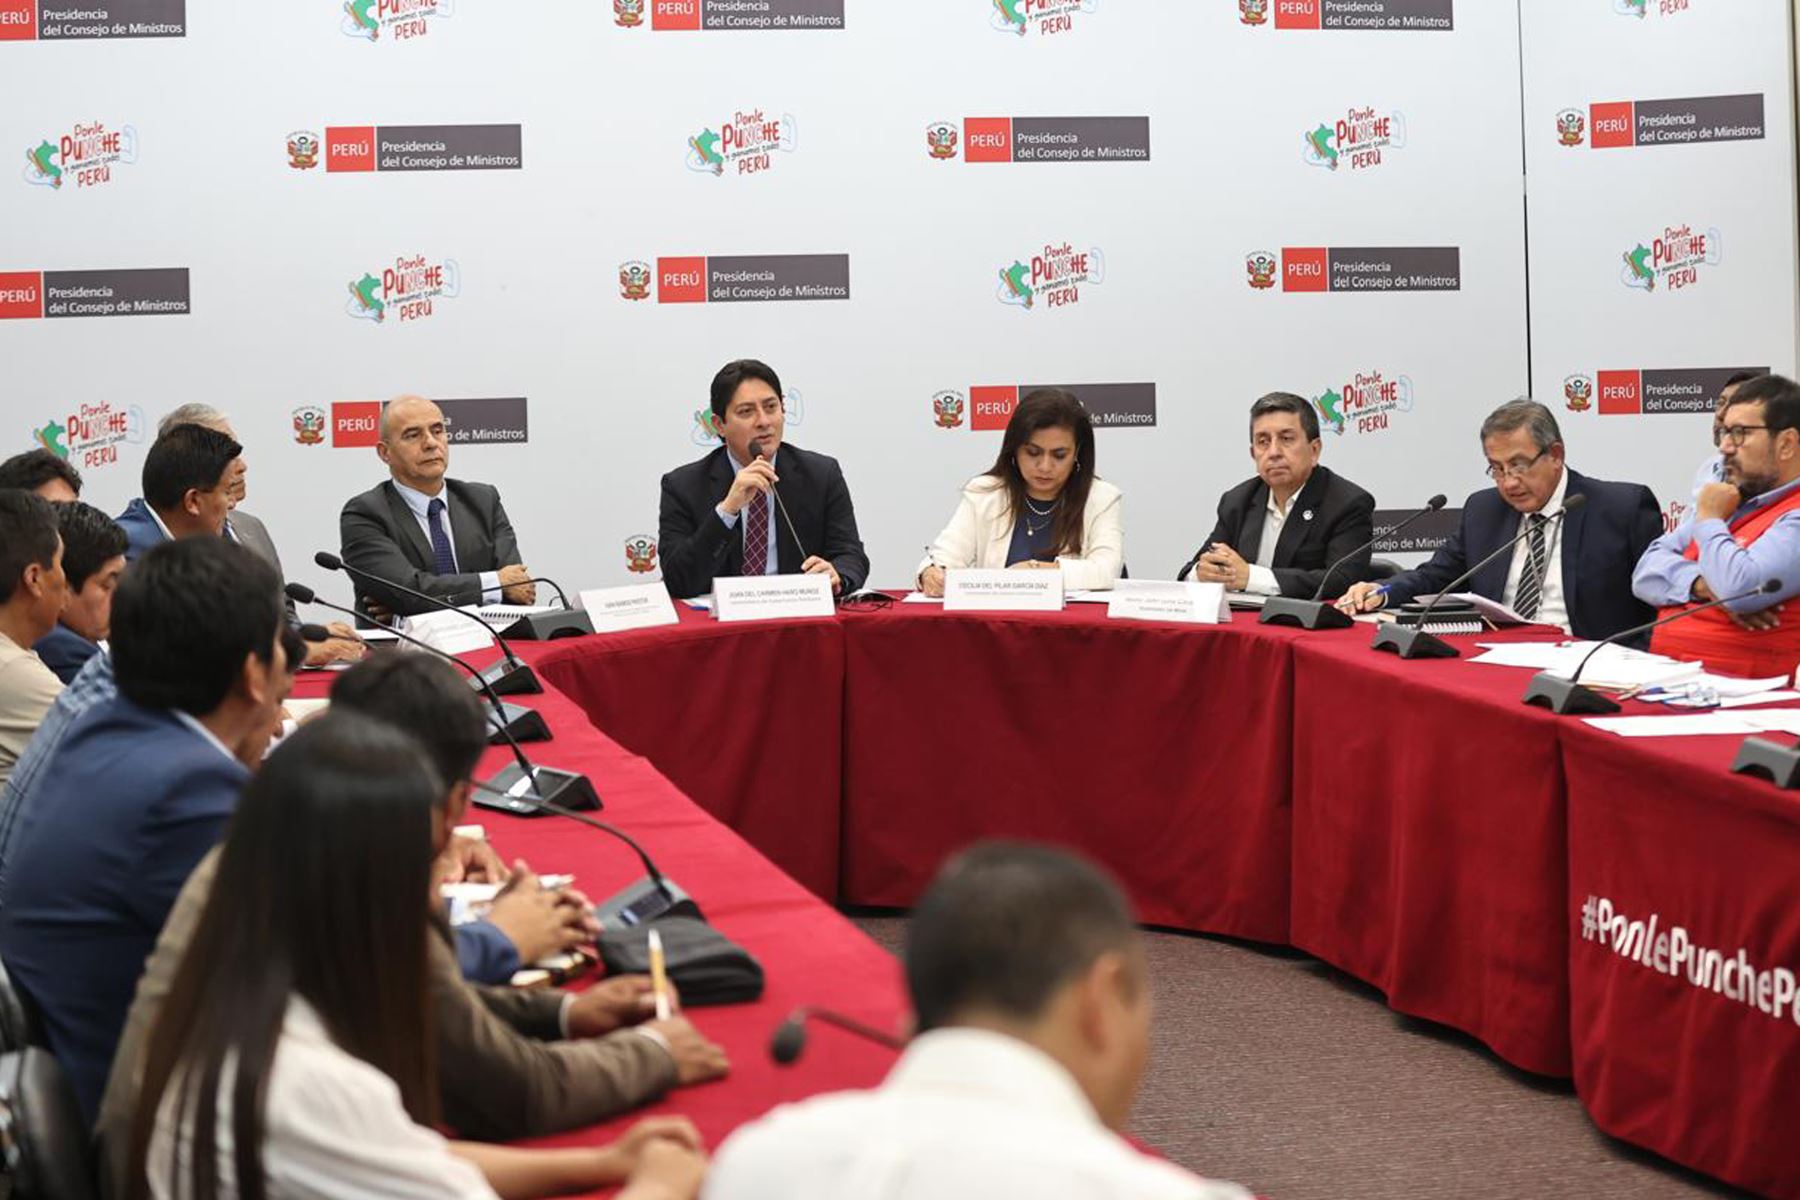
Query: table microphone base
[(1409, 641), (542, 626), (1777, 762), (523, 724), (643, 902), (510, 679), (1559, 695), (565, 789), (1306, 614)]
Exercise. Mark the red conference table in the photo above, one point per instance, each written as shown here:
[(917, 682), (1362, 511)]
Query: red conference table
[(809, 953), (1160, 750), (1661, 829)]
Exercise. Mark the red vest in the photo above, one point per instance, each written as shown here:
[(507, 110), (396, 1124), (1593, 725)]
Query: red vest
[(1715, 639)]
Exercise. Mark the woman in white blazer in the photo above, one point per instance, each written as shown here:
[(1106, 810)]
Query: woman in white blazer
[(1040, 506)]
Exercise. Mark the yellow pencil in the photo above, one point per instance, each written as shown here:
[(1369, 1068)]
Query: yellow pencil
[(659, 976)]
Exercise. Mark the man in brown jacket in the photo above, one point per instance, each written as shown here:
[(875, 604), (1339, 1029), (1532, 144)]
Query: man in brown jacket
[(511, 1063)]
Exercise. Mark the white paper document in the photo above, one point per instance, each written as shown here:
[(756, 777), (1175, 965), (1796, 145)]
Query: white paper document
[(1493, 610), (1612, 667), (920, 598), (1686, 725)]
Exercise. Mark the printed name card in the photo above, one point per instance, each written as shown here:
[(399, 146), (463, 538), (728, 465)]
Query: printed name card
[(1162, 600), (639, 606), (969, 590), (449, 632), (768, 597)]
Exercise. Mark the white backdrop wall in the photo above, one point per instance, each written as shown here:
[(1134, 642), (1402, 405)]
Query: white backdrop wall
[(614, 124)]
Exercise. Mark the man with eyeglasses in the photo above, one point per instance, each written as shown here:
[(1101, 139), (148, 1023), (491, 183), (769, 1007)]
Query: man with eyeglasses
[(1713, 469), (1574, 572), (1745, 530), (1279, 532), (436, 535)]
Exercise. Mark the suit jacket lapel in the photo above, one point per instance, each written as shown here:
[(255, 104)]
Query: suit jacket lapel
[(412, 538), (1249, 538), (1573, 524), (719, 476), (467, 533), (1491, 581), (1295, 528)]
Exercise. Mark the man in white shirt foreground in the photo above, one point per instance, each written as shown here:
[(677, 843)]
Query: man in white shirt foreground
[(1033, 1013)]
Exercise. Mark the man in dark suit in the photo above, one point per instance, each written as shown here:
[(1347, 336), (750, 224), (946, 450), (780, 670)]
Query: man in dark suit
[(141, 789), (436, 535), (187, 488), (93, 561), (1574, 572), (1278, 533), (720, 515)]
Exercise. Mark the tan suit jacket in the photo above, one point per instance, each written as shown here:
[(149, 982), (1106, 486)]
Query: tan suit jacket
[(502, 1071)]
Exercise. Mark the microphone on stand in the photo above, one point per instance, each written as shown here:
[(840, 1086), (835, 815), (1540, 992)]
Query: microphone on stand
[(1411, 640), (509, 721), (1316, 613), (1561, 695), (543, 626), (789, 1039), (508, 677)]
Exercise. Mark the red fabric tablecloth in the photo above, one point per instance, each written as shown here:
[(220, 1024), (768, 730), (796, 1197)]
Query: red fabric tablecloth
[(1429, 851), (1660, 830), (747, 719), (1160, 750)]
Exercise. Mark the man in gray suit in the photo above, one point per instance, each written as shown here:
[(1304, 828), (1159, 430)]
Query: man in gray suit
[(249, 531), (436, 535)]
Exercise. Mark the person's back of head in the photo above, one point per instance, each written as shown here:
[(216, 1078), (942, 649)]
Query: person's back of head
[(1034, 943), (194, 623), (322, 893), (424, 696), (42, 472), (32, 586), (184, 478)]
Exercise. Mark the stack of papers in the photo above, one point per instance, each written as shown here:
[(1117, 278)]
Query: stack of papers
[(1614, 667), (1741, 724)]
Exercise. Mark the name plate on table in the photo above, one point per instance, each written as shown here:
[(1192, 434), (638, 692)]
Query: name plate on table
[(1162, 600), (449, 632), (971, 590), (639, 606), (768, 597)]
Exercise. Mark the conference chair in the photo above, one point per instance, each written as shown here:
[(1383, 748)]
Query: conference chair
[(43, 1141), (1382, 568), (19, 1025)]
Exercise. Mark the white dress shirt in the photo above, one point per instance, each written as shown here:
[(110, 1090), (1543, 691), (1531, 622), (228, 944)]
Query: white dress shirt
[(1553, 608), (1262, 578), (419, 504), (333, 1126), (965, 1113)]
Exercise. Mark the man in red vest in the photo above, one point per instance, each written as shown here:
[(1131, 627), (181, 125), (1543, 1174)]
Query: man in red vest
[(1744, 530)]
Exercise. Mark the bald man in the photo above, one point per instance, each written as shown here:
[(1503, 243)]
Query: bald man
[(436, 535)]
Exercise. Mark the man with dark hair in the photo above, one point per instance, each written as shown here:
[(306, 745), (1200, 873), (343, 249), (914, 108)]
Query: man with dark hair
[(141, 789), (1713, 469), (40, 471), (512, 1063), (93, 560), (721, 516), (441, 536), (32, 594), (187, 488), (1255, 546), (1745, 530), (1573, 572), (1033, 1011)]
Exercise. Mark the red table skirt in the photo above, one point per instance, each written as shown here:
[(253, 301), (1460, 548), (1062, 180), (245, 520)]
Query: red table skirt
[(1158, 750)]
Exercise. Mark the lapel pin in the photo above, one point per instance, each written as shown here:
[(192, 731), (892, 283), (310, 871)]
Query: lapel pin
[(1307, 515)]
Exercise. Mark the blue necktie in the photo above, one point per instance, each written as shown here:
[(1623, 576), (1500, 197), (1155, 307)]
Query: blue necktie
[(443, 559)]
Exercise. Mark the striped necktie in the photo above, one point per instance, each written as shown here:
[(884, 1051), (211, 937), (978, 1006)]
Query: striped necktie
[(1531, 580)]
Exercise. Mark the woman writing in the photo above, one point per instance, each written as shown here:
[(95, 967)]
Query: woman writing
[(1040, 506)]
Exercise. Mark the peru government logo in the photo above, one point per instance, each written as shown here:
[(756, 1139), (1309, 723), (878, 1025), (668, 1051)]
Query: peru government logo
[(1365, 403), (1578, 392), (947, 408), (1355, 140), (1261, 266), (1253, 12), (397, 20), (1571, 127), (310, 424), (1044, 17), (1672, 261), (640, 554), (1053, 277), (408, 290), (940, 139), (84, 156), (744, 145), (1399, 16), (741, 278), (628, 14), (743, 16)]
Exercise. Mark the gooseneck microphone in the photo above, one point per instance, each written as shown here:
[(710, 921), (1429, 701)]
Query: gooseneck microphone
[(1316, 613), (508, 677), (509, 721), (1561, 695), (646, 900), (1411, 640), (790, 1036), (756, 452)]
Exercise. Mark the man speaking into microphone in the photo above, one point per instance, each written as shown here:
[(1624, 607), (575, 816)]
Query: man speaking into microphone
[(756, 505), (1574, 572), (436, 535), (1745, 528)]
